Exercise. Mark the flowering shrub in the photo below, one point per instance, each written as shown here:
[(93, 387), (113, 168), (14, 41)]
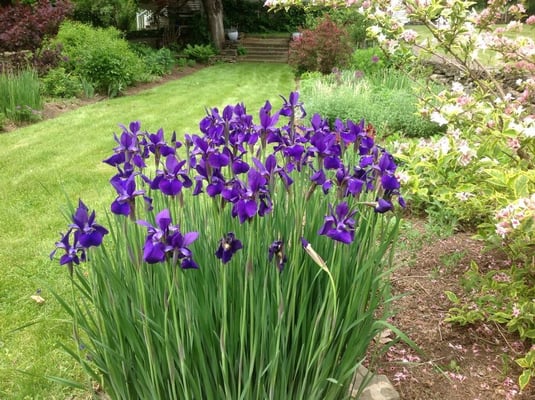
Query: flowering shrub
[(515, 225), (248, 262), (321, 49)]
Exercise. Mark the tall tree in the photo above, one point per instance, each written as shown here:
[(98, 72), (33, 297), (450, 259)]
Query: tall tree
[(212, 8), (214, 13)]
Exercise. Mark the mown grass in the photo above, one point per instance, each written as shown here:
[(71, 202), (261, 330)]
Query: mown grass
[(43, 163)]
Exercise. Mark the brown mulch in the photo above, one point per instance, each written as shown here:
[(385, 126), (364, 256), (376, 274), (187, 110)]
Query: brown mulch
[(456, 363)]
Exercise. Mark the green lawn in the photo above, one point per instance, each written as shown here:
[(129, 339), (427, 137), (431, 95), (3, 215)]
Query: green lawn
[(42, 163)]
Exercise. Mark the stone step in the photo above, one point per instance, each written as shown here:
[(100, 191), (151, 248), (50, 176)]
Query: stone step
[(281, 60), (259, 49)]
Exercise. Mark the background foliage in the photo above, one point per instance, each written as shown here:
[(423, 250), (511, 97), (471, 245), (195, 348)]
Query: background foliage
[(24, 26)]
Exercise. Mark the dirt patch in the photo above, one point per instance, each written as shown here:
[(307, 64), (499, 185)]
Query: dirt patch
[(456, 363)]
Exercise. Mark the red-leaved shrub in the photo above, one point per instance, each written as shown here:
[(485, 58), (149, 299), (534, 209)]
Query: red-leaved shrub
[(321, 49), (25, 26)]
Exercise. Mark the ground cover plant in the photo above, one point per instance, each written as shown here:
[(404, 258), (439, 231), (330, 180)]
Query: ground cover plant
[(74, 168)]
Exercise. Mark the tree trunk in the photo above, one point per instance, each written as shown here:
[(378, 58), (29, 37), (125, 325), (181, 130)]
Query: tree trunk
[(214, 13)]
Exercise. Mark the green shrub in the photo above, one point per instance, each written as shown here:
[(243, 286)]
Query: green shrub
[(199, 52), (350, 18), (104, 13), (181, 62), (2, 121), (20, 98), (386, 100), (101, 56), (58, 83), (369, 60), (321, 49), (157, 62)]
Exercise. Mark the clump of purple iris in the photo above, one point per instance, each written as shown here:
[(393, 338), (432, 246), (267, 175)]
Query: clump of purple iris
[(228, 246), (165, 241), (339, 225), (276, 250), (85, 233)]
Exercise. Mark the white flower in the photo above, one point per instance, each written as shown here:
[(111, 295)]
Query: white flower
[(403, 177), (442, 147), (375, 30), (457, 87), (529, 132), (464, 196), (502, 230), (398, 11), (442, 24), (438, 118), (452, 109)]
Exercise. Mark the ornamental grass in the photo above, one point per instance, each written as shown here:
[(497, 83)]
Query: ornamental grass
[(248, 261)]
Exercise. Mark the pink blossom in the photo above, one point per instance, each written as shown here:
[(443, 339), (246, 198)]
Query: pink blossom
[(513, 143), (409, 35), (530, 20), (516, 311), (463, 100)]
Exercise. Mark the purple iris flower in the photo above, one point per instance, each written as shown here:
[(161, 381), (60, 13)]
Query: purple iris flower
[(383, 206), (319, 178), (172, 178), (157, 145), (268, 123), (348, 184), (276, 249), (339, 225), (124, 204), (85, 233), (90, 233), (389, 182), (178, 245), (270, 168), (289, 106), (228, 246), (166, 241), (324, 146), (129, 149), (248, 199), (387, 163), (74, 254)]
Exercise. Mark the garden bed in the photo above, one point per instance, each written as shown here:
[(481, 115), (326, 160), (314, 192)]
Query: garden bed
[(457, 363), (473, 362)]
